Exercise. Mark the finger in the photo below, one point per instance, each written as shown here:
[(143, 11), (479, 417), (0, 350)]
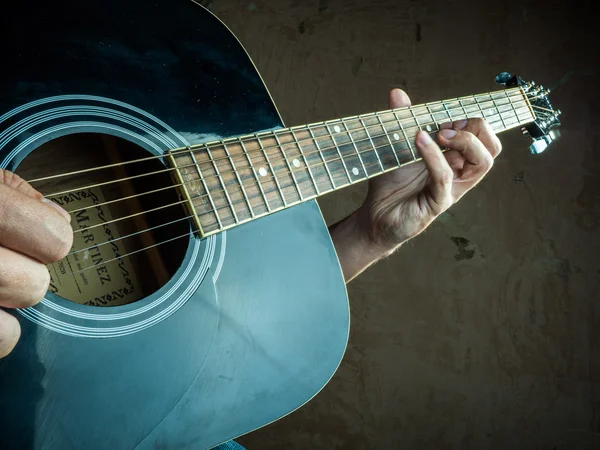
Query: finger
[(470, 147), (482, 130), (10, 331), (14, 181), (31, 227), (23, 281), (398, 99), (441, 174)]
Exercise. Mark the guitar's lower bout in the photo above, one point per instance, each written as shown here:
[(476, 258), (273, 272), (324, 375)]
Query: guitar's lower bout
[(240, 328), (236, 355)]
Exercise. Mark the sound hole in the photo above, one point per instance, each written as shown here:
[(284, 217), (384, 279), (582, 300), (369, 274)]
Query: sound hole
[(128, 242)]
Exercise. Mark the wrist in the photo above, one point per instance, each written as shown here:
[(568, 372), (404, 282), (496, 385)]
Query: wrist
[(355, 246), (373, 237)]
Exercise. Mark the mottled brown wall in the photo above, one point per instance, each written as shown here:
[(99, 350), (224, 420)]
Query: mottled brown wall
[(481, 332)]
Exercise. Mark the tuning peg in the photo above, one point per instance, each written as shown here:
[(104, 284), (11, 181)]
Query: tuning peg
[(502, 78), (524, 131), (558, 112), (538, 146)]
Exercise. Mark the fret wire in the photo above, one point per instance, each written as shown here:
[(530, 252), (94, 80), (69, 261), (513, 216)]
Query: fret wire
[(479, 107), (397, 120), (210, 200), (388, 138), (433, 121), (513, 108), (305, 162), (514, 92), (463, 108), (216, 169), (499, 112), (416, 121), (286, 187), (372, 143), (350, 133), (355, 148), (337, 148), (448, 112), (237, 175), (322, 156), (272, 171), (258, 183), (235, 217), (189, 150), (405, 136), (289, 167)]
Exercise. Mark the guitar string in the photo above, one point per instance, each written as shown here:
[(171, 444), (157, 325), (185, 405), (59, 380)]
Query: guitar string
[(210, 162), (260, 150), (390, 111), (284, 160), (349, 133), (224, 190), (187, 234), (179, 220), (250, 138), (193, 233), (126, 198), (208, 194)]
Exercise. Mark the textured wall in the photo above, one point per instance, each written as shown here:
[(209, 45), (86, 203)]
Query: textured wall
[(481, 332)]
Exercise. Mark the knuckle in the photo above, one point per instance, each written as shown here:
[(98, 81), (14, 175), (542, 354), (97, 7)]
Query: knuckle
[(470, 139), (479, 122), (445, 178)]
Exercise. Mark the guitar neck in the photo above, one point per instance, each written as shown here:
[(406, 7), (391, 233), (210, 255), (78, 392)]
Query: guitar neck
[(230, 182)]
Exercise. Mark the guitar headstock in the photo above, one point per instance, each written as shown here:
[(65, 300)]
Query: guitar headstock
[(542, 130)]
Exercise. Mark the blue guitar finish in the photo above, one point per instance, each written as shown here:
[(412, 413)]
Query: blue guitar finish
[(255, 321)]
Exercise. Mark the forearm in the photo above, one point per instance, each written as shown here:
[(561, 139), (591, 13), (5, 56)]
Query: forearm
[(355, 250)]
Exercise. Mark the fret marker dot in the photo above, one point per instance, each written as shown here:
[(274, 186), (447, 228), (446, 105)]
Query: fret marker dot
[(355, 171), (428, 127), (296, 163), (262, 172), (396, 136), (337, 129)]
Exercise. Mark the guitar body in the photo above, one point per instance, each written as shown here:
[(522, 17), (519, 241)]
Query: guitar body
[(245, 327)]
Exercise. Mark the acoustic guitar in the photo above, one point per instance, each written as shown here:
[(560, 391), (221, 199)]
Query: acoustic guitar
[(203, 297)]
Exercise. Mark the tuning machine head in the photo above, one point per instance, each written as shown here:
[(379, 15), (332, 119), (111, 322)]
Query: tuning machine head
[(543, 129)]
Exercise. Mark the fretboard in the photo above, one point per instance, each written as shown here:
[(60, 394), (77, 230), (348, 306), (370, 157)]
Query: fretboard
[(233, 181)]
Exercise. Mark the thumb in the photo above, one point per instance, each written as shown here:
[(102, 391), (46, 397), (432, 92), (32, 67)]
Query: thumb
[(398, 98)]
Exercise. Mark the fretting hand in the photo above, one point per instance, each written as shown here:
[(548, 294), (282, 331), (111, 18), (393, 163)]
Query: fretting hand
[(33, 232), (402, 203)]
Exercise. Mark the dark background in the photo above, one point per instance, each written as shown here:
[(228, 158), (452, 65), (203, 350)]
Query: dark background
[(481, 333)]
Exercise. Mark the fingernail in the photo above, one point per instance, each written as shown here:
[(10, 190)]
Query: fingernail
[(459, 124), (424, 138), (447, 134), (57, 207)]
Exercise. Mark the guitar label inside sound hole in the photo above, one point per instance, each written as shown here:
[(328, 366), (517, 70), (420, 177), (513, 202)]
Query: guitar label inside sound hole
[(128, 241)]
